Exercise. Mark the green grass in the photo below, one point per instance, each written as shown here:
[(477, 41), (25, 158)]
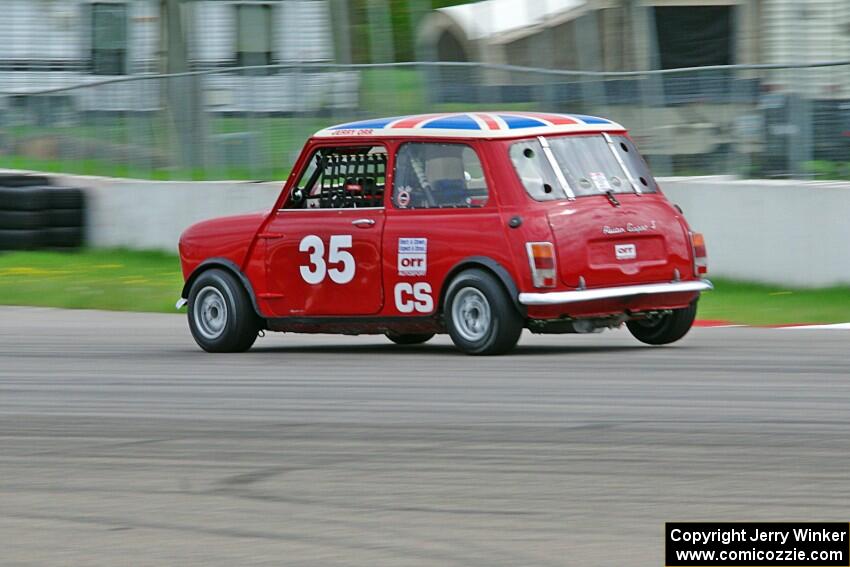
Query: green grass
[(392, 92), (759, 304), (116, 280), (151, 281), (826, 170)]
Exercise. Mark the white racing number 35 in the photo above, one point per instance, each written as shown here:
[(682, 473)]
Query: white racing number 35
[(316, 271)]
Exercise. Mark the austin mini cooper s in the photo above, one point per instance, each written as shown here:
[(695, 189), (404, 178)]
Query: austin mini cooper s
[(476, 224)]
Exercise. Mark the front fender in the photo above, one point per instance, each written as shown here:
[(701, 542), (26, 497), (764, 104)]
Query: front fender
[(223, 264)]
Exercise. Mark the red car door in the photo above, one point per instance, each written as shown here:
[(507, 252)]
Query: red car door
[(323, 249)]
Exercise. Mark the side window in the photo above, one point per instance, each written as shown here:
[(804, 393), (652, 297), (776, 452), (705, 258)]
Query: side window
[(341, 178), (433, 176)]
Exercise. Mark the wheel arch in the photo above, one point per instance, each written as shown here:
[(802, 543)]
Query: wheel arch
[(488, 265), (229, 266)]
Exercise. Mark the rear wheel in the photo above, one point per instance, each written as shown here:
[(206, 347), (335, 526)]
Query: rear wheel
[(221, 316), (480, 316), (665, 329), (409, 338)]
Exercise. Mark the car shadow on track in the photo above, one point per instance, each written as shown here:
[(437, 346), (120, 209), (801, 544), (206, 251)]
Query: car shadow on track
[(439, 349)]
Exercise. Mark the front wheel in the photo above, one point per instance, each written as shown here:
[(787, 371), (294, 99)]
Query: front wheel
[(221, 316), (480, 316), (665, 329)]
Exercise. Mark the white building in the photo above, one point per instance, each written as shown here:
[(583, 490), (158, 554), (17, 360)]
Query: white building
[(55, 43), (629, 35), (683, 116)]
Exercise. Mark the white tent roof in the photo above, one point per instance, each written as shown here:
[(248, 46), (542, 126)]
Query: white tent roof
[(497, 17)]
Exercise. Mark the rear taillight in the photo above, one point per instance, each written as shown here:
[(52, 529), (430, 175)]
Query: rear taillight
[(700, 254), (541, 258)]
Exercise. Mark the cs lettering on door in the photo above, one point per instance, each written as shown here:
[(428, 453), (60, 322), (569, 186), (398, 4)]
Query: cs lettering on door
[(413, 297), (315, 272)]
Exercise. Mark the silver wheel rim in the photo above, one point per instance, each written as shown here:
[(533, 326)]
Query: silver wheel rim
[(210, 313), (471, 314)]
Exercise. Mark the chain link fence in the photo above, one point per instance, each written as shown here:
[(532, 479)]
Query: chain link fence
[(249, 123)]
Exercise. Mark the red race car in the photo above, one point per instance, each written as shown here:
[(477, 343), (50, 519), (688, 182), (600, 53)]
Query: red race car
[(477, 224)]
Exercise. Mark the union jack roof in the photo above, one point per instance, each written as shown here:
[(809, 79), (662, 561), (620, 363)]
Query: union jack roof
[(473, 125)]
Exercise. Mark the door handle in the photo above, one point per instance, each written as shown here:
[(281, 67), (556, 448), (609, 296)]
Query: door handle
[(363, 223)]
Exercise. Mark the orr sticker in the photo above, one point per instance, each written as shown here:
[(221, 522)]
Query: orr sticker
[(412, 256)]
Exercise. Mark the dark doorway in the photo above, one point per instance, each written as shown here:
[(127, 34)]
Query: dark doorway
[(694, 36), (453, 84), (449, 48)]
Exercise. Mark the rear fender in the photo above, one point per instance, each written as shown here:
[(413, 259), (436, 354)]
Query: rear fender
[(489, 265)]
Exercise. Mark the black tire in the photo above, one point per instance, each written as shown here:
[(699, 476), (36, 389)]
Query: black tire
[(24, 198), (21, 239), (22, 180), (64, 237), (218, 294), (476, 295), (64, 217), (26, 220), (409, 338), (666, 329), (66, 198)]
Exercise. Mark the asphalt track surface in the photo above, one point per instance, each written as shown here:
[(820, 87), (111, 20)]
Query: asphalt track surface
[(122, 444)]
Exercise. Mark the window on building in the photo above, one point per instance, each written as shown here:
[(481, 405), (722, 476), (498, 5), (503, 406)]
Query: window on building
[(253, 35), (434, 176), (342, 178), (694, 36), (109, 38)]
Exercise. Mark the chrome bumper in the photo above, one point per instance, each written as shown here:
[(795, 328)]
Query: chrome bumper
[(181, 303), (559, 297)]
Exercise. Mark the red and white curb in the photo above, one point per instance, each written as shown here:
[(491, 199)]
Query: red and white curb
[(715, 323), (833, 327), (718, 324)]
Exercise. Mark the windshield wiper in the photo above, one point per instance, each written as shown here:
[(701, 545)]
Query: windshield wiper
[(611, 198)]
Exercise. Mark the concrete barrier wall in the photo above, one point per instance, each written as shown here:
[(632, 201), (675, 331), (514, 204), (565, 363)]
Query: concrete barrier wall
[(145, 215), (785, 232)]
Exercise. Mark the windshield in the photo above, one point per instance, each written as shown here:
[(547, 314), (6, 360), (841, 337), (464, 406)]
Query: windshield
[(587, 165)]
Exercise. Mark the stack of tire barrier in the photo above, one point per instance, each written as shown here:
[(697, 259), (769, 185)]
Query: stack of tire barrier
[(35, 215)]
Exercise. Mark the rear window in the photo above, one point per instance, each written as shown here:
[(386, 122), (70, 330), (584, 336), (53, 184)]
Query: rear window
[(587, 165)]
